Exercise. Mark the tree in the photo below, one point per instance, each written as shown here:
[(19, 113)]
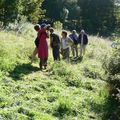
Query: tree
[(53, 8), (10, 9), (31, 9), (97, 15)]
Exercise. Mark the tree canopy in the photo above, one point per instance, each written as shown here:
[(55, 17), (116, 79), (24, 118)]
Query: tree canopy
[(95, 16), (10, 9)]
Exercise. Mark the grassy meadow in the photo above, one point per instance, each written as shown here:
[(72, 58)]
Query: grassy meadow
[(66, 91)]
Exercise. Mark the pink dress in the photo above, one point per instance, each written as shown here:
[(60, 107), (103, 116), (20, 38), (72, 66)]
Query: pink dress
[(43, 45)]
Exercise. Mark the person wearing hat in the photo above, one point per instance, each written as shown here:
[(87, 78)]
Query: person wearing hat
[(55, 44), (74, 37), (83, 41), (37, 27)]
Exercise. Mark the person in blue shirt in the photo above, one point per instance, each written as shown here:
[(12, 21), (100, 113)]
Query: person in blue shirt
[(74, 48)]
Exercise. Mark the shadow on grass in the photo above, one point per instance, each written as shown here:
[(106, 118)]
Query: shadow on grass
[(109, 109), (21, 70), (77, 60), (112, 110)]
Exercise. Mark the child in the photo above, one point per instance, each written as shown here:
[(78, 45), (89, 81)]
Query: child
[(66, 43), (37, 28)]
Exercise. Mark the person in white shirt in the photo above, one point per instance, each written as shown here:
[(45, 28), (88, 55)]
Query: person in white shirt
[(66, 43)]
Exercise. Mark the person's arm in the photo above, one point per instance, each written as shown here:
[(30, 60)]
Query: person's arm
[(47, 33), (79, 38), (86, 39), (70, 41), (51, 41)]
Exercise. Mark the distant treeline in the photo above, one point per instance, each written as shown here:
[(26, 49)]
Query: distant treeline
[(95, 16)]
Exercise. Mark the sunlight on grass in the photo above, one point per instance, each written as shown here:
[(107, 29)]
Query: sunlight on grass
[(67, 91)]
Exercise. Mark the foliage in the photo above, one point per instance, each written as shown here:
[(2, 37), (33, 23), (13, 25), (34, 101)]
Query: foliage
[(58, 25), (94, 16), (10, 10), (112, 67), (99, 16)]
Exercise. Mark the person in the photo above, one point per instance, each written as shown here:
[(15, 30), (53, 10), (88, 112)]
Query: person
[(43, 46), (83, 41), (74, 37), (37, 27), (66, 43), (55, 44)]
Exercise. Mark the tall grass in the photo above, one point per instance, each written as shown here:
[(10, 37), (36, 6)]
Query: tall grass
[(67, 91)]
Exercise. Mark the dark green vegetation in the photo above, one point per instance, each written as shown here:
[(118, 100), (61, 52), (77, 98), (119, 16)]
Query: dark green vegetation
[(112, 68), (65, 92), (10, 10), (95, 16)]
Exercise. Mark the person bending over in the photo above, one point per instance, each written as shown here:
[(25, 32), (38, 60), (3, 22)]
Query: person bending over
[(66, 43)]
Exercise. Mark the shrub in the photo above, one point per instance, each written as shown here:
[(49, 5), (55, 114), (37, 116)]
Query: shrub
[(112, 68), (58, 25), (64, 107)]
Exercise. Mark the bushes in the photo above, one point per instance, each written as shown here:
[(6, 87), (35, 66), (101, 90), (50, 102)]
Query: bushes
[(113, 70), (58, 25)]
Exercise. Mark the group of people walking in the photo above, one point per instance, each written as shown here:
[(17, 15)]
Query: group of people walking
[(63, 44)]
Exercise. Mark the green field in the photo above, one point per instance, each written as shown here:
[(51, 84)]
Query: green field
[(66, 91)]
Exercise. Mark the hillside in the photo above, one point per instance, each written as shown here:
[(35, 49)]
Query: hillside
[(66, 91)]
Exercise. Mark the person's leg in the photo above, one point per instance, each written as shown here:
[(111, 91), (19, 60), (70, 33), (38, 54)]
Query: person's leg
[(73, 51), (67, 54), (34, 54), (45, 63), (63, 54), (84, 49), (55, 54), (76, 50), (41, 64), (58, 54), (53, 50), (81, 50)]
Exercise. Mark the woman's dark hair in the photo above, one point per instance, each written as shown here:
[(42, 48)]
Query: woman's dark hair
[(51, 30), (64, 32), (37, 27), (48, 27)]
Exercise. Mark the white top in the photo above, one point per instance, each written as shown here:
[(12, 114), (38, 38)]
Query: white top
[(66, 43)]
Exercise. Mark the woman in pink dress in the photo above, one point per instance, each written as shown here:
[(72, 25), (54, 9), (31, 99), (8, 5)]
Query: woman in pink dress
[(43, 47)]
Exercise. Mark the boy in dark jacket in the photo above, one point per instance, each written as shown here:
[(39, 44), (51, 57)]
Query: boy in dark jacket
[(55, 44), (83, 41)]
